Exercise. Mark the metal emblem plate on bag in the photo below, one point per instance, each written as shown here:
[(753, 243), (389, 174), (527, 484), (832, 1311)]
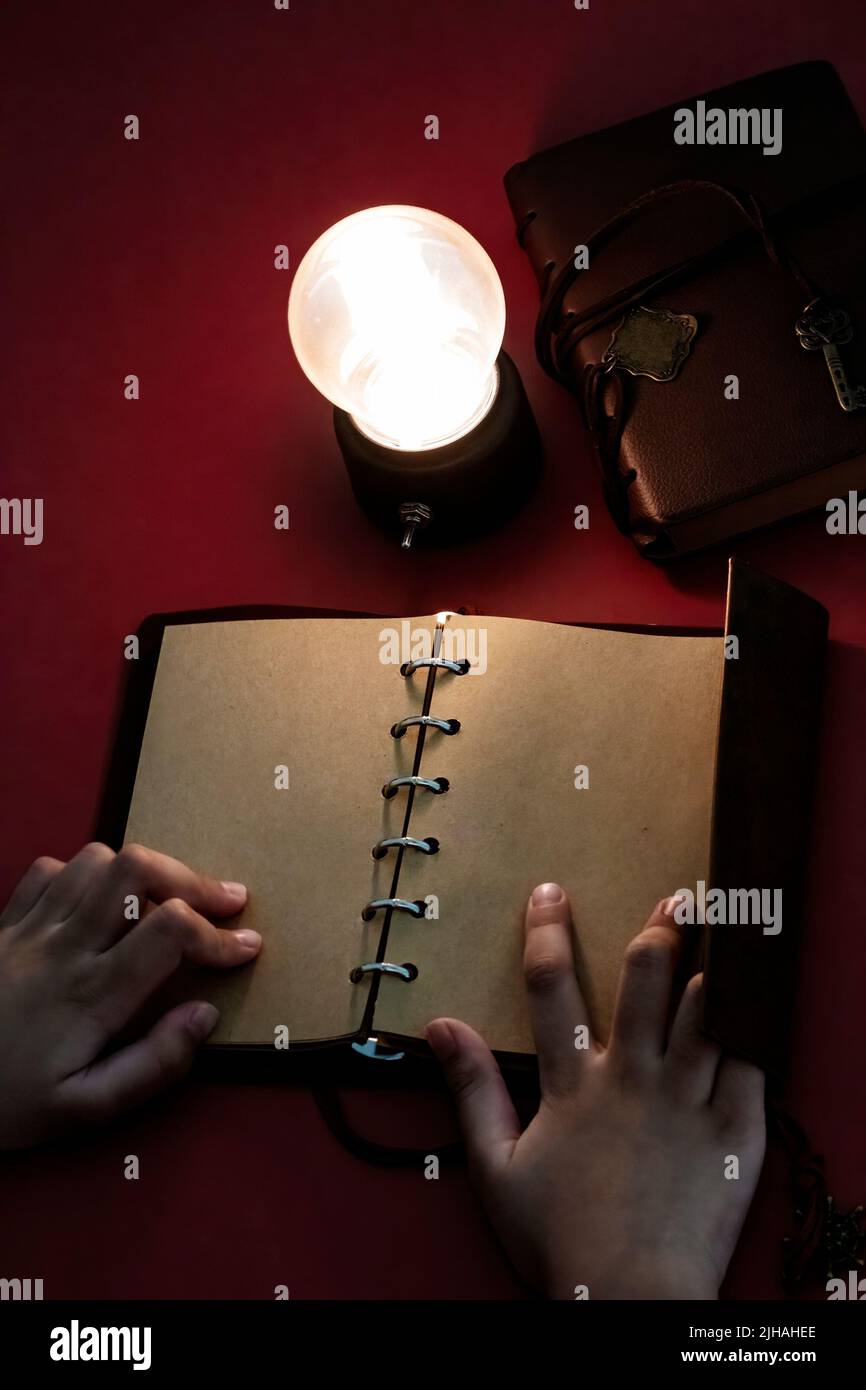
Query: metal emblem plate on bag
[(651, 342)]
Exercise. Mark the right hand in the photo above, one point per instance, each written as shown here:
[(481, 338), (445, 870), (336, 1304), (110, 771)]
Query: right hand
[(622, 1184)]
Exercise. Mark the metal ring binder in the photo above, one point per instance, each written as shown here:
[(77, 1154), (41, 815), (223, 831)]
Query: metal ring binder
[(459, 668), (427, 721), (415, 909), (428, 846), (436, 785), (383, 967)]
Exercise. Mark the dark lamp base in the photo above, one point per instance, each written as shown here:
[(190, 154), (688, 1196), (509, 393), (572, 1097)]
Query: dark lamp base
[(458, 490)]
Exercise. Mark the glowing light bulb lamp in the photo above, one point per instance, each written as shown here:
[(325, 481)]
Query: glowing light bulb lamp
[(396, 314)]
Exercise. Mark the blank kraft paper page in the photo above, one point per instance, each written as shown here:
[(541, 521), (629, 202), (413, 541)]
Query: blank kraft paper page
[(232, 704), (640, 713)]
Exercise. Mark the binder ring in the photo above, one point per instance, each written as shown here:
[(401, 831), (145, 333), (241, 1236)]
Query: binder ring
[(426, 721), (436, 785), (415, 909), (371, 1048), (459, 668), (428, 846), (383, 967)]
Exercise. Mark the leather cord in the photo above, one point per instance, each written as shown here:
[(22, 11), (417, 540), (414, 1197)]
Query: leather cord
[(558, 333), (330, 1107)]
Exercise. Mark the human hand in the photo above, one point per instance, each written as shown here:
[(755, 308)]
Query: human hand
[(620, 1184), (74, 971)]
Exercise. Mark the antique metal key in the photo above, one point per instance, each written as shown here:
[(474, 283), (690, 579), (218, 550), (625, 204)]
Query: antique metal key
[(828, 327)]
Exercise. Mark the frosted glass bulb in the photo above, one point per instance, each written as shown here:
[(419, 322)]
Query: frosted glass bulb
[(397, 314)]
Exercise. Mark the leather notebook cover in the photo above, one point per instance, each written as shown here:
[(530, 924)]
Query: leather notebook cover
[(692, 466), (218, 697), (765, 764)]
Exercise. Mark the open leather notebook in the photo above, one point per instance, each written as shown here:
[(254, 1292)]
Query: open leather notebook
[(279, 752)]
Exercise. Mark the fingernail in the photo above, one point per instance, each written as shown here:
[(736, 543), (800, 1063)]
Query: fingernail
[(668, 906), (236, 890), (546, 895), (202, 1021), (441, 1038), (248, 938)]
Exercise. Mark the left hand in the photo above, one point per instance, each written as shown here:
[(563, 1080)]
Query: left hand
[(74, 970)]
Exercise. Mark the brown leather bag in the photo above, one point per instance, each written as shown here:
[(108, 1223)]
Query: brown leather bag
[(742, 241)]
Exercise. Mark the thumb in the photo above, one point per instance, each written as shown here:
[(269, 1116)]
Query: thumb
[(487, 1117), (135, 1073)]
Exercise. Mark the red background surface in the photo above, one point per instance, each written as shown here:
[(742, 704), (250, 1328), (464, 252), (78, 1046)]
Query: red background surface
[(261, 127)]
